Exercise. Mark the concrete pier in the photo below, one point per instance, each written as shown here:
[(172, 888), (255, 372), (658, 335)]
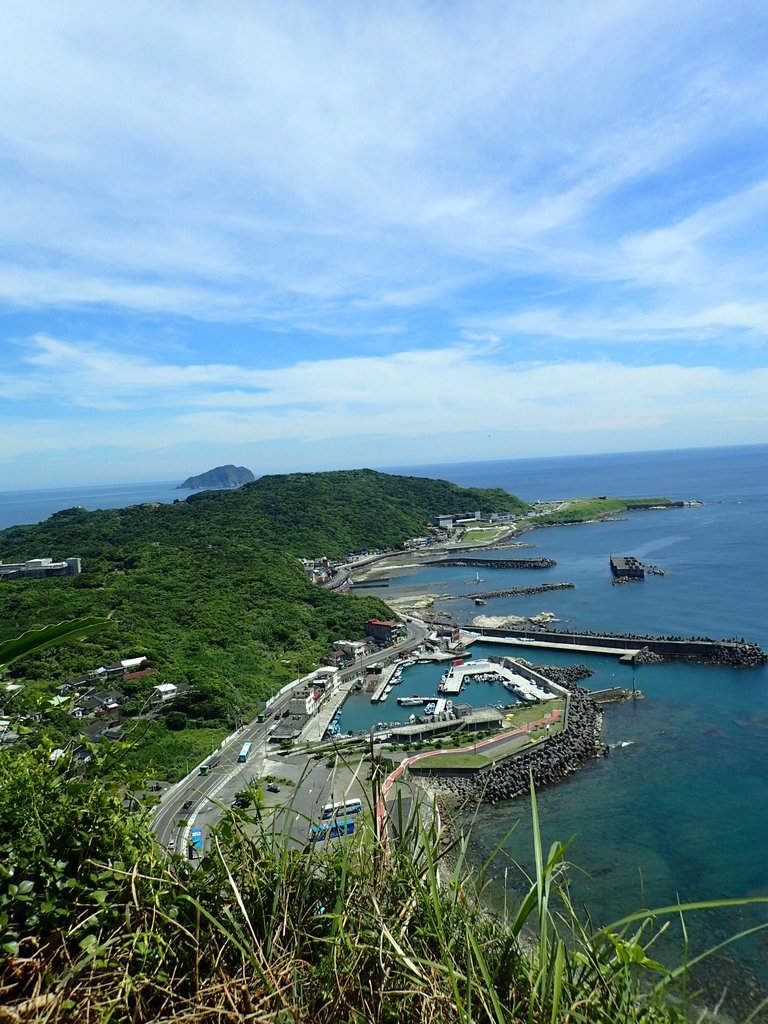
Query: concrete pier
[(524, 688), (550, 645), (734, 653)]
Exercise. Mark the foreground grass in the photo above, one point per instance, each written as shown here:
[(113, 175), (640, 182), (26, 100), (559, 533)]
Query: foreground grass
[(99, 925)]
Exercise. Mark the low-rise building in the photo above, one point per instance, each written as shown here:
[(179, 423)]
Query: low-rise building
[(328, 679), (165, 691), (303, 702), (381, 630), (39, 568), (353, 648)]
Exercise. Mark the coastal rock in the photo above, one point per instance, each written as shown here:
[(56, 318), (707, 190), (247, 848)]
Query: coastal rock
[(499, 621)]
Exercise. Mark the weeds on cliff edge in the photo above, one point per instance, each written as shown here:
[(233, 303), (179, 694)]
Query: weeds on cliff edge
[(266, 930)]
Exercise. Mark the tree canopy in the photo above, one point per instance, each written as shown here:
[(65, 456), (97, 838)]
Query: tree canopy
[(210, 589)]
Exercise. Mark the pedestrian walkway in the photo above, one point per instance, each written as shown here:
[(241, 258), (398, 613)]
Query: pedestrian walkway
[(315, 729)]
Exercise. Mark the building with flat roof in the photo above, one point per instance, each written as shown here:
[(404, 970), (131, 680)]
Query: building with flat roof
[(39, 568)]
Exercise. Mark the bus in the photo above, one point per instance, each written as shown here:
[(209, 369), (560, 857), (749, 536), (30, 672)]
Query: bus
[(196, 843), (328, 830), (341, 827), (245, 750), (205, 769), (347, 807), (261, 716)]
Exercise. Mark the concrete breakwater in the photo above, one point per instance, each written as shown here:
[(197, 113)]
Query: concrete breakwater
[(737, 652), (496, 563), (548, 761), (512, 592)]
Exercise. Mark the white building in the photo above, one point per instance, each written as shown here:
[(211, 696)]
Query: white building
[(328, 677), (303, 703), (166, 691), (39, 568)]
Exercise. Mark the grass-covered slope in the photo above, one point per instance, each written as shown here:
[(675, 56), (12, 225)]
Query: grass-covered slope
[(210, 588), (97, 924)]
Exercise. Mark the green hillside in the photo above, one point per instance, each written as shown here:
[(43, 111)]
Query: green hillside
[(211, 589)]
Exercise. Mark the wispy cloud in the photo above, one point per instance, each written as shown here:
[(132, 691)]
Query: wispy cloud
[(275, 156), (217, 216), (408, 394)]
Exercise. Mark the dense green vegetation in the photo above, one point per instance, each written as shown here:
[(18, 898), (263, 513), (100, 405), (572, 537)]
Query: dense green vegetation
[(98, 924), (210, 589), (580, 509)]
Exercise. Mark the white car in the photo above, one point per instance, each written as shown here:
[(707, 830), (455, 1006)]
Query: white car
[(172, 844)]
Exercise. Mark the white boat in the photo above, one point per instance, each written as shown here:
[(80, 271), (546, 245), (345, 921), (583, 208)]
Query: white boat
[(430, 708)]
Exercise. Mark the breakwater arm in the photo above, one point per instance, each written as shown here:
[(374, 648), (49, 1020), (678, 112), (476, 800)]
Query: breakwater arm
[(496, 563), (737, 653), (512, 592)]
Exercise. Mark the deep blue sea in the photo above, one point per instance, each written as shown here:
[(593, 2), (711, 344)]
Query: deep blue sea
[(33, 506), (682, 813)]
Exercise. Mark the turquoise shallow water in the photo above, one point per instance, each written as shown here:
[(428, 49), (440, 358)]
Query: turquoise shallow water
[(683, 811), (420, 680)]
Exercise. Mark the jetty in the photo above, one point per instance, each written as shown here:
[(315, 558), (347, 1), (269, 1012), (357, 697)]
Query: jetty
[(629, 648), (495, 563), (542, 588), (389, 678)]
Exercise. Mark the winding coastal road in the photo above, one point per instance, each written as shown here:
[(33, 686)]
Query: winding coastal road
[(200, 801)]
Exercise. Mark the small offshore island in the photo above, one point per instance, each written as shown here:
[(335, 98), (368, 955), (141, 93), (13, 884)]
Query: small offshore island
[(239, 633), (222, 476)]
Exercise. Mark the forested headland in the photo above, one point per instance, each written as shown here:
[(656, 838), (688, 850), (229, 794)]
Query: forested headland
[(211, 590)]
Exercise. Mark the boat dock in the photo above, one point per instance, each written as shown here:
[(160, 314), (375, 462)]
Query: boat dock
[(390, 677), (613, 694), (453, 680)]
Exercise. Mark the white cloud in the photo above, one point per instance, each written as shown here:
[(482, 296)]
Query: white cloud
[(735, 321), (306, 205), (304, 161), (433, 395)]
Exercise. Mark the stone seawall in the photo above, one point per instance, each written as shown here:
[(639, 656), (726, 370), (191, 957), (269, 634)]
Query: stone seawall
[(496, 563), (548, 761)]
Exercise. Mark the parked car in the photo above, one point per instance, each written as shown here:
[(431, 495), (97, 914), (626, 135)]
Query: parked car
[(272, 788)]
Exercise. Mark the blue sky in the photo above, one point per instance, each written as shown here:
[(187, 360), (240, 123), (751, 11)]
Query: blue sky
[(317, 235)]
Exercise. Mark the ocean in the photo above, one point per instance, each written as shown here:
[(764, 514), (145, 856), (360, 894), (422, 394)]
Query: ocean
[(682, 812), (17, 507)]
